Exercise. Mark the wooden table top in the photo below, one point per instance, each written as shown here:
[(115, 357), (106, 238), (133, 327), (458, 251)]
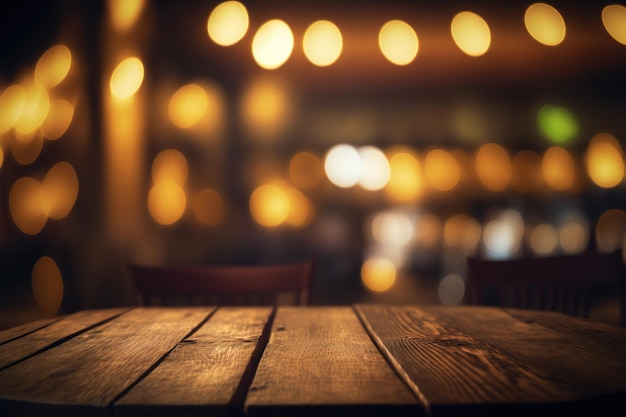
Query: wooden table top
[(306, 361)]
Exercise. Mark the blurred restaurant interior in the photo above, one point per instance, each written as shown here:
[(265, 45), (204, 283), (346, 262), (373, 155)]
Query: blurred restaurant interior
[(387, 139)]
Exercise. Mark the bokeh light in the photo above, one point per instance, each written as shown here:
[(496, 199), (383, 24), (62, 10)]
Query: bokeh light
[(170, 165), (526, 171), (60, 190), (58, 120), (322, 43), (127, 78), (392, 229), (26, 206), (269, 205), (375, 169), (272, 44), (451, 289), (462, 231), (405, 177), (27, 148), (124, 13), (228, 23), (306, 170), (35, 110), (502, 235), (428, 230), (187, 106), (398, 42), (557, 124), (208, 207), (605, 160), (611, 230), (343, 165), (574, 236), (558, 168), (300, 208), (53, 66), (266, 108), (12, 103), (47, 286), (167, 202), (442, 170), (493, 167), (545, 24), (471, 33), (378, 274), (544, 239), (614, 20)]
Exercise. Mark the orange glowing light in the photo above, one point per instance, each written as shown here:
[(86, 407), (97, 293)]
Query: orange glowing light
[(167, 202), (272, 44), (442, 170), (322, 43), (26, 148), (605, 160), (269, 205), (208, 207), (471, 33), (187, 106), (405, 176), (266, 109), (398, 42), (60, 190), (300, 208), (558, 168), (26, 206), (228, 23), (53, 66), (493, 167), (35, 110), (614, 20), (526, 176), (127, 78), (12, 103), (125, 13), (170, 165), (611, 230), (58, 120), (47, 286), (378, 274), (545, 24), (306, 170)]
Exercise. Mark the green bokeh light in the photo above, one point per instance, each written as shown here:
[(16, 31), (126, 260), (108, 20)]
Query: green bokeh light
[(557, 123)]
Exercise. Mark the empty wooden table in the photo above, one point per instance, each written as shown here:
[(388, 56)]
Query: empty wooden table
[(308, 361)]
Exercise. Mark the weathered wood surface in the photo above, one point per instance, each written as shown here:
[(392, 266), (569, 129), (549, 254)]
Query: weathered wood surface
[(320, 361), (206, 374), (30, 343), (23, 329), (85, 374), (482, 360)]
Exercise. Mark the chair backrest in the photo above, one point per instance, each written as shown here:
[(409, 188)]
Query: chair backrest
[(223, 285), (562, 283)]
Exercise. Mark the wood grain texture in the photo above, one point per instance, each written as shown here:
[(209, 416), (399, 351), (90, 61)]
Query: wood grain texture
[(202, 375), (66, 327), (85, 374), (23, 329), (320, 361)]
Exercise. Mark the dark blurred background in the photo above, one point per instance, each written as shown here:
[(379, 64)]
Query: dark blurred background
[(193, 153)]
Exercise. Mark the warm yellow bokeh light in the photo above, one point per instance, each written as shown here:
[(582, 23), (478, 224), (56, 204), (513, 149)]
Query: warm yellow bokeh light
[(322, 43), (59, 190), (442, 170), (26, 206), (12, 103), (558, 168), (614, 20), (170, 165), (493, 167), (53, 66), (228, 23), (269, 205), (27, 148), (1, 157), (58, 120), (526, 176), (35, 110), (375, 169), (544, 239), (127, 78), (167, 202), (306, 170), (471, 33), (392, 229), (187, 106), (462, 231), (573, 237), (342, 165), (545, 24), (605, 160), (428, 231), (272, 44), (378, 274), (398, 42), (300, 208), (611, 230), (208, 207), (405, 177), (125, 13), (266, 108), (47, 286)]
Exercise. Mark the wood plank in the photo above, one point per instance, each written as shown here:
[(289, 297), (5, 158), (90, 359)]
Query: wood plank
[(85, 374), (320, 361), (471, 359), (41, 339), (203, 375), (14, 332)]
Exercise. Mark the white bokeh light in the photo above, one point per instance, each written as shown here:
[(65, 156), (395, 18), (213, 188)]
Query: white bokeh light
[(343, 165), (375, 169)]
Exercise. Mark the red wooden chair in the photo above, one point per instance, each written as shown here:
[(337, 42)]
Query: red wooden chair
[(223, 285), (564, 283)]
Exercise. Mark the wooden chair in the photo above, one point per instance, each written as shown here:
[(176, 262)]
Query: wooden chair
[(223, 285), (563, 283)]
